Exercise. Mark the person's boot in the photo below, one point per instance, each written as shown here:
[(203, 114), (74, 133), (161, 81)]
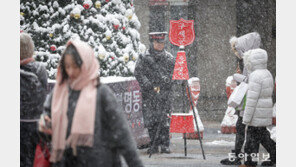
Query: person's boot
[(243, 165), (249, 163), (271, 161), (268, 163), (153, 150), (227, 161), (165, 149)]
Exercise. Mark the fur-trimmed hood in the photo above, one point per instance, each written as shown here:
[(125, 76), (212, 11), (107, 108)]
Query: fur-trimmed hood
[(255, 59), (246, 42)]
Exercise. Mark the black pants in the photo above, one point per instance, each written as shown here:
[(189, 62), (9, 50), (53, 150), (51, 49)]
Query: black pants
[(240, 135), (255, 136), (28, 141), (163, 138)]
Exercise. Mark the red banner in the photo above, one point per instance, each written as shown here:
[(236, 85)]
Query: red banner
[(182, 123), (181, 70), (181, 32)]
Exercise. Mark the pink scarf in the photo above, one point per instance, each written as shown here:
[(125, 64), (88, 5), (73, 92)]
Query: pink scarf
[(82, 129)]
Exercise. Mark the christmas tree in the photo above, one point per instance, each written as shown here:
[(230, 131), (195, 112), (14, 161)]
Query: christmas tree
[(109, 26)]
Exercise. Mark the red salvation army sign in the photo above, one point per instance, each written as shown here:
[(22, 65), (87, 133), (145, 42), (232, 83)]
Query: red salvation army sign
[(181, 32), (181, 70)]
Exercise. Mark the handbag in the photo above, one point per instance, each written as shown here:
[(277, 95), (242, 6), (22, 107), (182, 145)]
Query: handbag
[(237, 95), (42, 152), (42, 155)]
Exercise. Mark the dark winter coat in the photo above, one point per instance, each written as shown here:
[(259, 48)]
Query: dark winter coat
[(155, 69), (32, 95), (33, 84), (112, 135)]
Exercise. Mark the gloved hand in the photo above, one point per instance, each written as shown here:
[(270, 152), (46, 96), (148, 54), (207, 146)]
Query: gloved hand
[(156, 89), (239, 78)]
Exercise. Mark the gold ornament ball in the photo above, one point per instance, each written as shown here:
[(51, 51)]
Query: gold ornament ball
[(108, 37), (51, 35), (130, 17), (134, 58), (22, 13), (101, 56), (77, 16), (126, 58), (98, 5)]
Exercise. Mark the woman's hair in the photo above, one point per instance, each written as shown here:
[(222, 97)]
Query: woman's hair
[(70, 50), (233, 41), (26, 46)]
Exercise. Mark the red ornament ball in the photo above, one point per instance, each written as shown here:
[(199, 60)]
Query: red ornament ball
[(86, 6), (112, 57), (123, 28), (132, 4), (22, 31), (116, 27), (107, 0), (53, 48)]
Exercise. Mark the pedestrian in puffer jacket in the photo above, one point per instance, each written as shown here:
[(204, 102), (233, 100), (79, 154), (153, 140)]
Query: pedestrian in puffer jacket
[(259, 106), (240, 45), (243, 44), (33, 85)]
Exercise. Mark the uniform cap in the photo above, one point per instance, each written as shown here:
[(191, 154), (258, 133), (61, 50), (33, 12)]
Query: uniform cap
[(158, 36)]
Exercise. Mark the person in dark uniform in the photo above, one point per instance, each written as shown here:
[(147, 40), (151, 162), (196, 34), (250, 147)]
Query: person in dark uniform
[(154, 71)]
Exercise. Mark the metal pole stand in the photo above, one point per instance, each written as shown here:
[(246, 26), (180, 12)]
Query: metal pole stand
[(182, 48), (195, 120)]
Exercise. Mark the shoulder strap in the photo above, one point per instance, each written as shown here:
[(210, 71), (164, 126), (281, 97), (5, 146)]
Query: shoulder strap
[(245, 101)]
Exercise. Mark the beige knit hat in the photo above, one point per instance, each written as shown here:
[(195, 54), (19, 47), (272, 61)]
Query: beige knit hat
[(26, 46)]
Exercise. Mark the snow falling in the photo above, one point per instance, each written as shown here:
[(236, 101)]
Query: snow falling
[(118, 32)]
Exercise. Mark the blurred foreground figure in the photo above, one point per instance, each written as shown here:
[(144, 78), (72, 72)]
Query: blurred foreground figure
[(154, 72), (33, 84), (88, 127)]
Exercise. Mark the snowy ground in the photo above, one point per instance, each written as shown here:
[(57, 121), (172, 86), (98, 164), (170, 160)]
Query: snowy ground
[(216, 147)]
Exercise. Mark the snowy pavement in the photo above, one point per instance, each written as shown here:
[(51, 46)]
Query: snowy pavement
[(216, 147)]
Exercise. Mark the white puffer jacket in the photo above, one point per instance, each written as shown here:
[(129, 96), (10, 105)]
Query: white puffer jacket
[(243, 44), (258, 110)]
